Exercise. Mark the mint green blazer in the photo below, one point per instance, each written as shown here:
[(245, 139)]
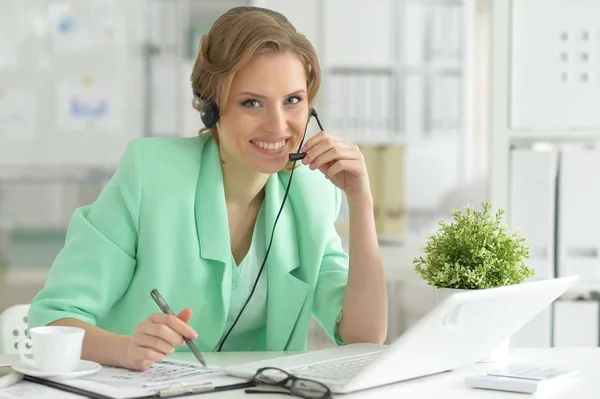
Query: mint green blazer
[(161, 222)]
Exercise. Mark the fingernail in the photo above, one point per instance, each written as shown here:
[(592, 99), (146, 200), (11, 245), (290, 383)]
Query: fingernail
[(194, 335), (312, 165), (305, 160), (304, 148)]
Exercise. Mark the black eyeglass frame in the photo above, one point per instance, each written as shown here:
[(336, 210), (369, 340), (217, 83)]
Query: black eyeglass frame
[(285, 383)]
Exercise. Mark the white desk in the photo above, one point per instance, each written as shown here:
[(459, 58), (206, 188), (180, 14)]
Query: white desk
[(446, 385)]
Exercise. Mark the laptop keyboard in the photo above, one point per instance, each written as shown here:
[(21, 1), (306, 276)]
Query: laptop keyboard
[(337, 369)]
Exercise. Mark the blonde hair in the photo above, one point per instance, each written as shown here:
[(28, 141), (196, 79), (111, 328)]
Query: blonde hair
[(234, 39)]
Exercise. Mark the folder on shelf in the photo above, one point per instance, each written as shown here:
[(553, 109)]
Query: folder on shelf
[(532, 205), (371, 155), (576, 323), (413, 106), (393, 215), (579, 215), (413, 32), (385, 165)]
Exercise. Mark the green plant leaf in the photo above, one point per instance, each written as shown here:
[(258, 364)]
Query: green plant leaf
[(477, 250)]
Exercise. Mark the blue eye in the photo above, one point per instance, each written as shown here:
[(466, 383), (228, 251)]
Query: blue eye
[(293, 100), (251, 103)]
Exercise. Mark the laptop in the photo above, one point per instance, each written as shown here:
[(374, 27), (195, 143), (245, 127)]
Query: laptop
[(461, 330)]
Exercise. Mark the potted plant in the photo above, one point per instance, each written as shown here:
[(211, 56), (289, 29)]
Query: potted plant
[(476, 251)]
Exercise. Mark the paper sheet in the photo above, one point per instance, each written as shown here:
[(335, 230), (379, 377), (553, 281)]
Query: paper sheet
[(12, 32), (123, 384), (89, 103), (8, 51), (160, 374), (30, 390), (17, 113), (80, 25)]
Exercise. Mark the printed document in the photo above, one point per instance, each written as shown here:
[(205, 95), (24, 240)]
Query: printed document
[(125, 384), (121, 383), (160, 374)]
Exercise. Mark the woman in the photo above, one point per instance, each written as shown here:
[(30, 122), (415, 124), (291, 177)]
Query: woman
[(193, 218)]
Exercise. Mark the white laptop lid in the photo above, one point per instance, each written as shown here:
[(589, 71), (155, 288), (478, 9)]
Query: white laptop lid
[(461, 330)]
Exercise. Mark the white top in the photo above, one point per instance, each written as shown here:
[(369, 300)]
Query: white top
[(254, 317)]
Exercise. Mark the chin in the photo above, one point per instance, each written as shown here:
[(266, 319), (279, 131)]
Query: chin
[(270, 167)]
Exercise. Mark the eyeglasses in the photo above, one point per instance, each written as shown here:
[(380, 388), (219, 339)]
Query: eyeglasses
[(301, 387)]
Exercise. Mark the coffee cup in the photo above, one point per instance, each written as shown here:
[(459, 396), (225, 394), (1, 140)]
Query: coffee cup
[(54, 348)]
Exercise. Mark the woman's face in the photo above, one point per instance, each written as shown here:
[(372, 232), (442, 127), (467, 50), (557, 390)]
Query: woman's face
[(265, 114)]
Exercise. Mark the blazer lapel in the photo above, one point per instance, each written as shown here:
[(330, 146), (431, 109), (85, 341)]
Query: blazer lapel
[(286, 292), (213, 236)]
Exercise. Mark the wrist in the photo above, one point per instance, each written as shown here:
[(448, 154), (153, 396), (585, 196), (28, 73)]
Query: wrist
[(119, 356), (364, 202)]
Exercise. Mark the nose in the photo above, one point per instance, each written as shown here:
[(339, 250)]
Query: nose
[(275, 121)]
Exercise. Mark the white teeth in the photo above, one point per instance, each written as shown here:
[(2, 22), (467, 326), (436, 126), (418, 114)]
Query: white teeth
[(269, 146)]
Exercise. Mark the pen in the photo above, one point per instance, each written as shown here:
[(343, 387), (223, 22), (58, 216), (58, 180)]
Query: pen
[(167, 310), (179, 390)]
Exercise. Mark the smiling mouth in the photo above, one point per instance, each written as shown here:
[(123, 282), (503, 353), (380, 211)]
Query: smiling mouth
[(270, 146)]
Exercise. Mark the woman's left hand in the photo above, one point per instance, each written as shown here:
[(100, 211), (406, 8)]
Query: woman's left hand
[(341, 162)]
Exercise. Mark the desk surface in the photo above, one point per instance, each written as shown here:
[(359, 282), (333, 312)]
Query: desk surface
[(450, 385)]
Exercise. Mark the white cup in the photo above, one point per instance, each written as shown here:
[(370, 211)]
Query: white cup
[(55, 348)]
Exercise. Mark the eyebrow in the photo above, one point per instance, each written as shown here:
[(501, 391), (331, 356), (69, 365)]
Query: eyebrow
[(249, 93)]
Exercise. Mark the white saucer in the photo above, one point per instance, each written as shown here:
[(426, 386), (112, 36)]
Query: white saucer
[(85, 367)]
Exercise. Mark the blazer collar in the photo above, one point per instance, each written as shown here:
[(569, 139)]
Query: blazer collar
[(287, 292), (284, 251), (210, 207)]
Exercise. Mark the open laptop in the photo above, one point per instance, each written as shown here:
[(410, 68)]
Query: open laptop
[(461, 330)]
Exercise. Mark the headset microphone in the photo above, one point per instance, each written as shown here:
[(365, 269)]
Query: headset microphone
[(297, 156)]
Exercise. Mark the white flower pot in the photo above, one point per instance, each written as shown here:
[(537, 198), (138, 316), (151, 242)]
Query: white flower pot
[(500, 353)]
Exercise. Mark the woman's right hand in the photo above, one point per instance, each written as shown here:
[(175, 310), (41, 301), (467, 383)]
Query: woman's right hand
[(156, 337)]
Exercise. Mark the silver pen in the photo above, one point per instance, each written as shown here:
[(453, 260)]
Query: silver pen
[(167, 310)]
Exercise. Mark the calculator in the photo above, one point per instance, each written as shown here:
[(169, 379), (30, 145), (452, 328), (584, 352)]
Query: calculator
[(522, 378)]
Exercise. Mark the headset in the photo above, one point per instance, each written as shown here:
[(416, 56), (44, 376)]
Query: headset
[(209, 114)]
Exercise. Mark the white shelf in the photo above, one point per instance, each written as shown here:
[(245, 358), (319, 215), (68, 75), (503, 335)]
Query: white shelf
[(361, 68), (400, 68), (25, 277), (574, 135), (395, 140)]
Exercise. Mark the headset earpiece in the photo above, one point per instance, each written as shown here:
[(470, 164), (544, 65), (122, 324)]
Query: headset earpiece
[(209, 113)]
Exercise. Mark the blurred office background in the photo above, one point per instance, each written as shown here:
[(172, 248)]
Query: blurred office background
[(453, 102)]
